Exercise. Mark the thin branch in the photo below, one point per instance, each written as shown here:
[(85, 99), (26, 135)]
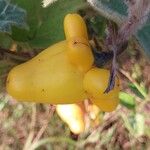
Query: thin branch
[(6, 53), (45, 125), (138, 13), (32, 128)]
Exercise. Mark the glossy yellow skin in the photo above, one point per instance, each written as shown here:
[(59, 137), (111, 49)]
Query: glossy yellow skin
[(74, 26), (95, 83), (62, 73), (47, 78), (72, 115), (80, 54)]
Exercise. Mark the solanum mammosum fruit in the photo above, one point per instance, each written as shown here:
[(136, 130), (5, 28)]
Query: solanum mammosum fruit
[(72, 115), (52, 76), (61, 73)]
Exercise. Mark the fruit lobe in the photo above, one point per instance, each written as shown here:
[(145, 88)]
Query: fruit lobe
[(95, 82), (48, 78), (74, 26), (63, 74), (80, 53)]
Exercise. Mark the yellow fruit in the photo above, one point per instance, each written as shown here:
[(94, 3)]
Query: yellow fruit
[(47, 78), (72, 115), (80, 54), (63, 74), (95, 83), (55, 75), (74, 26), (106, 105)]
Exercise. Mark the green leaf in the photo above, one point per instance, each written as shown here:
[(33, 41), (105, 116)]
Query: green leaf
[(136, 91), (127, 100), (45, 24), (11, 15), (116, 10), (98, 25), (3, 65), (3, 101), (115, 5), (5, 41), (143, 37)]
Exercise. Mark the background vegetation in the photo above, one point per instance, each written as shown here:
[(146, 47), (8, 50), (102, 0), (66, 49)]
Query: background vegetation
[(26, 28)]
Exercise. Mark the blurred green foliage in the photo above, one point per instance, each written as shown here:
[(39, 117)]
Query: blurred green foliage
[(11, 15), (45, 24), (127, 100), (118, 9)]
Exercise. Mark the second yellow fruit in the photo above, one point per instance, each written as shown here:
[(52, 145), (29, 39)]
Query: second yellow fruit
[(72, 115)]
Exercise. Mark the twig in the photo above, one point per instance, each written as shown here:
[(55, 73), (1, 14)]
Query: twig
[(28, 141), (13, 55), (42, 130), (32, 126), (33, 117)]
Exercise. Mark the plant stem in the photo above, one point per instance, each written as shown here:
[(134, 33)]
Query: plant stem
[(5, 53), (52, 140)]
